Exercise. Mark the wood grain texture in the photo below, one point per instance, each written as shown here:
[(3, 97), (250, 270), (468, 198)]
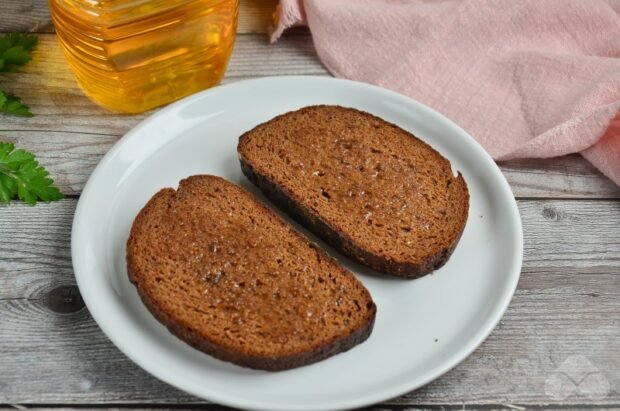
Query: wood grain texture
[(567, 304), (71, 134), (255, 16), (48, 86), (562, 177)]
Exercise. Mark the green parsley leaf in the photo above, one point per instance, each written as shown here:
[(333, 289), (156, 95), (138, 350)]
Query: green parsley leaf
[(21, 176), (15, 50), (10, 104)]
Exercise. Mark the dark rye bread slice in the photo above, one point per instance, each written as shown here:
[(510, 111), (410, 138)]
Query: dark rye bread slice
[(372, 190), (231, 278)]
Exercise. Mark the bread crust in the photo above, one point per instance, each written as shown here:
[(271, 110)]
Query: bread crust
[(313, 221), (237, 356)]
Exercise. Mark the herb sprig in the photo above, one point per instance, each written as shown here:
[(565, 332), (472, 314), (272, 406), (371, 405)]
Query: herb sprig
[(15, 50), (10, 104), (21, 176)]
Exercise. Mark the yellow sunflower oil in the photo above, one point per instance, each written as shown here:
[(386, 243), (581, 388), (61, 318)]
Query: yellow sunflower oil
[(134, 55)]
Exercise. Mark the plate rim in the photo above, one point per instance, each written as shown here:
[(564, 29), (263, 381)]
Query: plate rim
[(513, 272)]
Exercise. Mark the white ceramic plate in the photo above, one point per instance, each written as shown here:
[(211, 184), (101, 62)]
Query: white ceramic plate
[(423, 327)]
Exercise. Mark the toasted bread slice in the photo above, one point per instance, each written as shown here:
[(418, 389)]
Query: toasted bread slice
[(374, 191), (231, 278)]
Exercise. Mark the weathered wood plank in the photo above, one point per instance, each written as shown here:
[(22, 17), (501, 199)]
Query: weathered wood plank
[(25, 16), (71, 134), (563, 177), (48, 86), (255, 16), (71, 157), (567, 305)]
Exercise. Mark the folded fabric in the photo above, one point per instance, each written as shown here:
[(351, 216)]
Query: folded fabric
[(527, 78)]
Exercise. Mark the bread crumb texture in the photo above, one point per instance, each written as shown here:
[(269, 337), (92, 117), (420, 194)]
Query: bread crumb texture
[(375, 191), (227, 275)]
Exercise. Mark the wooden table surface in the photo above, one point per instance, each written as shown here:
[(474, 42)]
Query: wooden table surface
[(557, 346)]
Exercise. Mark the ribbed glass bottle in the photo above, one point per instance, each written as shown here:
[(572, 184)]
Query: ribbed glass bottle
[(134, 55)]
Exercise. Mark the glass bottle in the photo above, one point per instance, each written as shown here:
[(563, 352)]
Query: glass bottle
[(134, 55)]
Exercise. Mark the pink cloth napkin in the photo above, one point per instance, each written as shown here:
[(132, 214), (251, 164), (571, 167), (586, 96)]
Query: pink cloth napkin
[(526, 78)]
